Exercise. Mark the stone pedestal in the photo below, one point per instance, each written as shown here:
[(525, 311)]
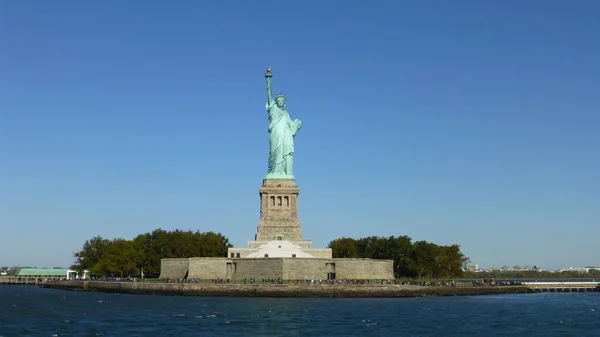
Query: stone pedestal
[(279, 211)]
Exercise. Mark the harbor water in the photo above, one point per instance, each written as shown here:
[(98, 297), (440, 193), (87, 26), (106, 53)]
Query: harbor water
[(36, 311)]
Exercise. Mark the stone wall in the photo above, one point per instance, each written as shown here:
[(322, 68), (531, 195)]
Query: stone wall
[(364, 269), (322, 253), (279, 290), (208, 268), (173, 268), (306, 269), (275, 268), (259, 268)]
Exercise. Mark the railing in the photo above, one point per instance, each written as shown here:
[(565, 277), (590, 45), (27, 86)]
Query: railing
[(566, 286), (28, 280)]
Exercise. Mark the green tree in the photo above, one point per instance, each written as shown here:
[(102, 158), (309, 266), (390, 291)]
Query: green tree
[(426, 259), (142, 245), (450, 261), (213, 244), (143, 254), (414, 260), (401, 249), (121, 258), (159, 247), (344, 248), (366, 246), (90, 254), (184, 243)]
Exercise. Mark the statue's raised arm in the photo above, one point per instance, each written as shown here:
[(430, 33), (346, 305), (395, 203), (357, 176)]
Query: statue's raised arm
[(268, 76)]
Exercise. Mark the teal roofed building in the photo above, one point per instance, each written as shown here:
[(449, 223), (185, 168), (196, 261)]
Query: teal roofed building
[(43, 272)]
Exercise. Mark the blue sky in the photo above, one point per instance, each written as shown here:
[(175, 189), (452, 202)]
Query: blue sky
[(468, 122)]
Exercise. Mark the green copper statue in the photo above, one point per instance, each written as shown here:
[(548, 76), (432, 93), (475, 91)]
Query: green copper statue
[(282, 131)]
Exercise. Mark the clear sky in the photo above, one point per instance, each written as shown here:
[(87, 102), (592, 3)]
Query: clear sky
[(468, 122)]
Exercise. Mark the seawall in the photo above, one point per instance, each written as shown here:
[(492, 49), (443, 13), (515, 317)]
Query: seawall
[(280, 290)]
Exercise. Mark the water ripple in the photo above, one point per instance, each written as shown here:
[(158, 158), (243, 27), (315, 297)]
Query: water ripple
[(32, 311)]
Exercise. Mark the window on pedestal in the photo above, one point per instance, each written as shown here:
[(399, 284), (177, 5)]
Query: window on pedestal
[(279, 203), (266, 255), (293, 255), (237, 254), (272, 200), (286, 201), (232, 254), (279, 238)]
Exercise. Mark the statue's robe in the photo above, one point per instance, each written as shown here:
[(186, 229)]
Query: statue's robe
[(281, 140)]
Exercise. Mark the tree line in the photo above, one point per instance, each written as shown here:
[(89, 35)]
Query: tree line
[(419, 259), (142, 255)]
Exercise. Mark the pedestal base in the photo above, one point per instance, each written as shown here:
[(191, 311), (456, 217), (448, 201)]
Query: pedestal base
[(279, 211)]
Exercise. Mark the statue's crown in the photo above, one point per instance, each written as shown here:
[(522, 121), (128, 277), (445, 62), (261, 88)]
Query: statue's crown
[(281, 95)]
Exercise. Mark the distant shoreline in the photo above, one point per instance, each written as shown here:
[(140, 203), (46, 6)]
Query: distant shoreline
[(281, 290)]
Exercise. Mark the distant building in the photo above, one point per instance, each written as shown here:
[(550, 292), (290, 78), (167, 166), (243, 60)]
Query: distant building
[(52, 273), (473, 267), (583, 270)]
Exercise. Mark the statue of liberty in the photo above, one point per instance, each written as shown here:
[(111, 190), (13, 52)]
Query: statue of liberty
[(282, 131)]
